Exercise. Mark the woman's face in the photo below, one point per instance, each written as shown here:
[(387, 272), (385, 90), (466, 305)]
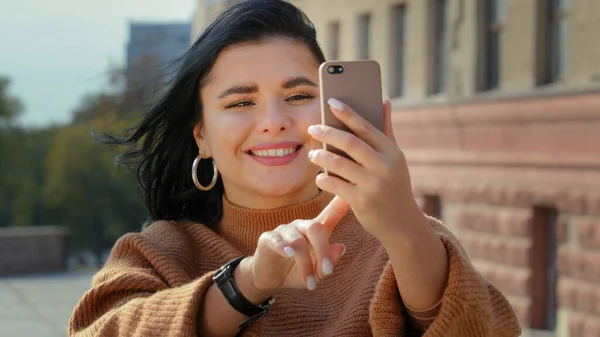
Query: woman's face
[(258, 102)]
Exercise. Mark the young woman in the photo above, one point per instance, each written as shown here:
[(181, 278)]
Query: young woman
[(256, 242)]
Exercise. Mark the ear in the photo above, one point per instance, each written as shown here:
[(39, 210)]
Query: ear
[(201, 142)]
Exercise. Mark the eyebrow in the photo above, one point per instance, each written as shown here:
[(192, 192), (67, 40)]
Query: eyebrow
[(253, 88), (239, 89), (298, 81)]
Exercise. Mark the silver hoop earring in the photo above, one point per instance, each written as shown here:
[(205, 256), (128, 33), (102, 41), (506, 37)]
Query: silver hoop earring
[(195, 175)]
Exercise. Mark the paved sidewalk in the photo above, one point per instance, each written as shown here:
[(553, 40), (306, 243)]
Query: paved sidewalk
[(40, 305)]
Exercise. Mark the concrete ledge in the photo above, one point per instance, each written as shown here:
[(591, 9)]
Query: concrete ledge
[(26, 250), (538, 333)]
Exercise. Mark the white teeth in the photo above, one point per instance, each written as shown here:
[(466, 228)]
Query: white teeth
[(274, 152)]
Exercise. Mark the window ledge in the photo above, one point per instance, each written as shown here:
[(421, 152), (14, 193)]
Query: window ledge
[(550, 90)]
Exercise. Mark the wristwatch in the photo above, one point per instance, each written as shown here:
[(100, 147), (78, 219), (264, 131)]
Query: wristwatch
[(223, 278)]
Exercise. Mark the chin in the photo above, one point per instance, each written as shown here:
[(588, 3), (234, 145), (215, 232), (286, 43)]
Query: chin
[(280, 188), (280, 185)]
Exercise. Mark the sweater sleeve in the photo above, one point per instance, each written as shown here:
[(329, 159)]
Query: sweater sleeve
[(131, 296), (470, 305)]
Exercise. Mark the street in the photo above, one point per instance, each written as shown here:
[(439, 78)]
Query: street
[(40, 305)]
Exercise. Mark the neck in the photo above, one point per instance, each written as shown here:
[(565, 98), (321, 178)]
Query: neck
[(242, 226), (246, 199)]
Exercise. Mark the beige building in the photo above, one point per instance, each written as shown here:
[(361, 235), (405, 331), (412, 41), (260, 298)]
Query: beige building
[(444, 50), (497, 107)]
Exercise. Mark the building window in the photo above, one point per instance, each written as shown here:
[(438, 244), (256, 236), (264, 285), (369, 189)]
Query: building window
[(334, 41), (398, 49), (552, 51), (364, 36), (438, 46), (543, 262), (432, 206), (492, 42)]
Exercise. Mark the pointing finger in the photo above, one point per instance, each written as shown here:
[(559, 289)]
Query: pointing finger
[(333, 213)]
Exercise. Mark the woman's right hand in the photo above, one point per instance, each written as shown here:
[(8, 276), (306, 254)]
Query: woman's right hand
[(297, 255)]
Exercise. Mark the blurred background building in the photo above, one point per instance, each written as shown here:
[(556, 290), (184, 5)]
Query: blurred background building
[(152, 52), (497, 107)]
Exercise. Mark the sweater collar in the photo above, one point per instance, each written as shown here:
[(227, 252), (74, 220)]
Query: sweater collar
[(243, 226)]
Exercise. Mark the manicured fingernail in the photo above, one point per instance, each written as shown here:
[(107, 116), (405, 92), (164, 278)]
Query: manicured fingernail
[(314, 129), (289, 251), (336, 104), (312, 154), (327, 266), (311, 283)]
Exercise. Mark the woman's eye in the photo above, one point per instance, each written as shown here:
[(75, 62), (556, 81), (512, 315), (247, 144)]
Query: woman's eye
[(299, 97), (239, 104)]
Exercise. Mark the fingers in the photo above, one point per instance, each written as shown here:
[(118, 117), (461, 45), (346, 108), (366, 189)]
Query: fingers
[(364, 130), (340, 188), (387, 115), (307, 242), (333, 213), (277, 244), (337, 252), (337, 164), (302, 256), (318, 237), (352, 145)]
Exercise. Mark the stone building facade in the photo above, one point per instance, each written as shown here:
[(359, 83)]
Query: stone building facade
[(497, 107)]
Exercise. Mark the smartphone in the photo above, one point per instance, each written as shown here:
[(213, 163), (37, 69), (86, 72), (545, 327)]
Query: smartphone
[(358, 85)]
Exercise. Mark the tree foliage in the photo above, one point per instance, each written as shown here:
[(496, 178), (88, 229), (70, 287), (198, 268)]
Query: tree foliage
[(61, 176), (10, 106)]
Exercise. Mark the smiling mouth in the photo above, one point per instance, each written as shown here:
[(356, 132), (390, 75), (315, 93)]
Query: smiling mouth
[(274, 152)]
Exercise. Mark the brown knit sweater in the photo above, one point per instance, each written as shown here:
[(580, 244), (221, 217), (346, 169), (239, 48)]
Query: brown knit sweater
[(154, 281)]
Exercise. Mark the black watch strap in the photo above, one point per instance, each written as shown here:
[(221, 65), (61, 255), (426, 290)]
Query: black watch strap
[(223, 278)]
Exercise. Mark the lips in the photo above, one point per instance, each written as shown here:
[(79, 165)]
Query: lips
[(275, 154)]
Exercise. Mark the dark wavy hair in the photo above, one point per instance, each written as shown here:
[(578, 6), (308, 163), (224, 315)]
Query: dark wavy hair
[(162, 145)]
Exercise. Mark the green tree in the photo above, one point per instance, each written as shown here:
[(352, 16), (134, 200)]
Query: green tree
[(27, 207), (12, 151), (21, 173), (96, 200), (61, 176), (10, 106)]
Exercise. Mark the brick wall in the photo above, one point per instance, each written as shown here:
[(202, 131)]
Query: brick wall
[(498, 243), (579, 269), (32, 249), (501, 242), (518, 181)]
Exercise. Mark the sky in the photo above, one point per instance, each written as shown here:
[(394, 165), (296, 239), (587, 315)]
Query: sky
[(56, 51)]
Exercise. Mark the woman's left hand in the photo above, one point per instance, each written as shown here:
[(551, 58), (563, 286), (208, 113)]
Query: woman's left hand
[(377, 185)]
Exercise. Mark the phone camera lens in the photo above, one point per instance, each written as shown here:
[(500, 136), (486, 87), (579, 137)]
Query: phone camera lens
[(335, 69)]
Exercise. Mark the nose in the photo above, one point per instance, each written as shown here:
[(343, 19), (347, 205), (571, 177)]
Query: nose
[(273, 119)]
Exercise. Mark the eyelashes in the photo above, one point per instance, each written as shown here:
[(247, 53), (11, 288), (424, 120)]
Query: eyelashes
[(239, 104), (299, 97)]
